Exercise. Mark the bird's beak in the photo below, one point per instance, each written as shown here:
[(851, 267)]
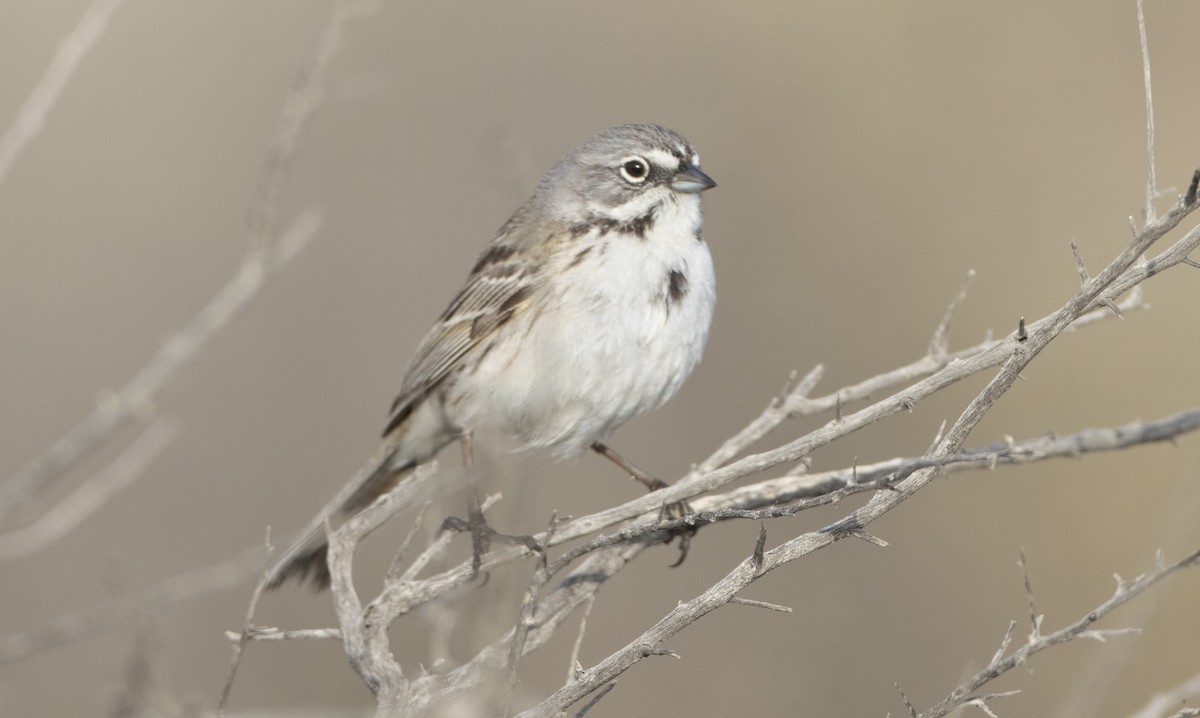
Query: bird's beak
[(691, 180)]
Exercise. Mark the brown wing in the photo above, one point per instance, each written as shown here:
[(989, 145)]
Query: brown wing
[(498, 287)]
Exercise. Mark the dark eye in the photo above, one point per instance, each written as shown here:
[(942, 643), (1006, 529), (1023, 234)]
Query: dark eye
[(635, 169)]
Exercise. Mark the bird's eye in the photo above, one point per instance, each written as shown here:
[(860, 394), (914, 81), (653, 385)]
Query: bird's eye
[(635, 169)]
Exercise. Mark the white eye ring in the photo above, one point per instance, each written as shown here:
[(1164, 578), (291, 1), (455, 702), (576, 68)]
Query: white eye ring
[(634, 169)]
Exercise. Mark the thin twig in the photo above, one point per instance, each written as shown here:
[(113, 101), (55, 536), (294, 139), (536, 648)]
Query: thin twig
[(1167, 700), (1037, 642), (779, 409), (1151, 180), (131, 401), (595, 699), (1098, 677), (268, 250), (70, 53), (247, 628), (939, 343), (761, 604), (270, 633), (72, 627), (92, 494), (574, 667)]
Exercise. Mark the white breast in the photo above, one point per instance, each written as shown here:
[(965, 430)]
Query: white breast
[(611, 341)]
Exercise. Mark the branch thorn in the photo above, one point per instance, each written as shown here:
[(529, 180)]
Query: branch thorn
[(759, 545), (1080, 267), (869, 538)]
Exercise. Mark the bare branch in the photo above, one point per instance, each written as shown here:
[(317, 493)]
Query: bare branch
[(939, 343), (780, 408), (1080, 628), (269, 250), (605, 558), (1080, 265), (1035, 620), (247, 628), (781, 497), (1163, 702), (788, 495), (133, 400), (1151, 181), (1016, 357), (575, 666), (595, 699), (92, 494), (364, 633), (761, 604), (71, 51), (268, 633), (173, 591)]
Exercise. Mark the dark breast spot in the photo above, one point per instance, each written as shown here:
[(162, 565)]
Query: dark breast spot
[(677, 286)]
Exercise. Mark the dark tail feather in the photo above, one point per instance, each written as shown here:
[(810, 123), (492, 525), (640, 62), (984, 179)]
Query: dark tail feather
[(311, 568), (306, 559)]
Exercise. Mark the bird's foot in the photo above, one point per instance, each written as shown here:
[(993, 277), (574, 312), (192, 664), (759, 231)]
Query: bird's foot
[(482, 536)]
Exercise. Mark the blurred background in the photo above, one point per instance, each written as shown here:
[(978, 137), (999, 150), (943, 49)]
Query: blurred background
[(869, 154)]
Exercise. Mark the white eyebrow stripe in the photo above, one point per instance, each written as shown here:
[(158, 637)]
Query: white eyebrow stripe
[(662, 158)]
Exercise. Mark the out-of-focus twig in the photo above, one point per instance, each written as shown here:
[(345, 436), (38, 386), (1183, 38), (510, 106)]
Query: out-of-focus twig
[(133, 400), (1158, 706), (70, 53), (170, 592), (93, 493), (268, 250)]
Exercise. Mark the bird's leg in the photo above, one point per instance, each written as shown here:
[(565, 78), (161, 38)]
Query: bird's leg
[(677, 510), (482, 535), (651, 483)]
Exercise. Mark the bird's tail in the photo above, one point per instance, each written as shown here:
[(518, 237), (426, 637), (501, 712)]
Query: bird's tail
[(305, 560)]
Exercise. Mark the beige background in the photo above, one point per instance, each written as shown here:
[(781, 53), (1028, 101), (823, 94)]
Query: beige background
[(868, 155)]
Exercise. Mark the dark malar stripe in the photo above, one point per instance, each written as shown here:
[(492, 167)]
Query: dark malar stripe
[(638, 226)]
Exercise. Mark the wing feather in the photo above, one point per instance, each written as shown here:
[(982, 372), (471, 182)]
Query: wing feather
[(498, 287)]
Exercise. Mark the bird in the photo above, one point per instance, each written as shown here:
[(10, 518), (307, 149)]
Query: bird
[(590, 306)]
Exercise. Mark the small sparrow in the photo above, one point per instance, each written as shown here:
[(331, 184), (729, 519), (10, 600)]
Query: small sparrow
[(589, 307)]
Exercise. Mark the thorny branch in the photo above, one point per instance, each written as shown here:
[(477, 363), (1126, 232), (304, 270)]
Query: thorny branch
[(899, 480), (364, 628), (1004, 661)]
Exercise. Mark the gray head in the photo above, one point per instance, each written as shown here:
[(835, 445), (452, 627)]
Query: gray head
[(624, 172)]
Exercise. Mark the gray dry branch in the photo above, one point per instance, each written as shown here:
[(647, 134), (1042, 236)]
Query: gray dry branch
[(364, 627), (571, 581), (1004, 661)]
